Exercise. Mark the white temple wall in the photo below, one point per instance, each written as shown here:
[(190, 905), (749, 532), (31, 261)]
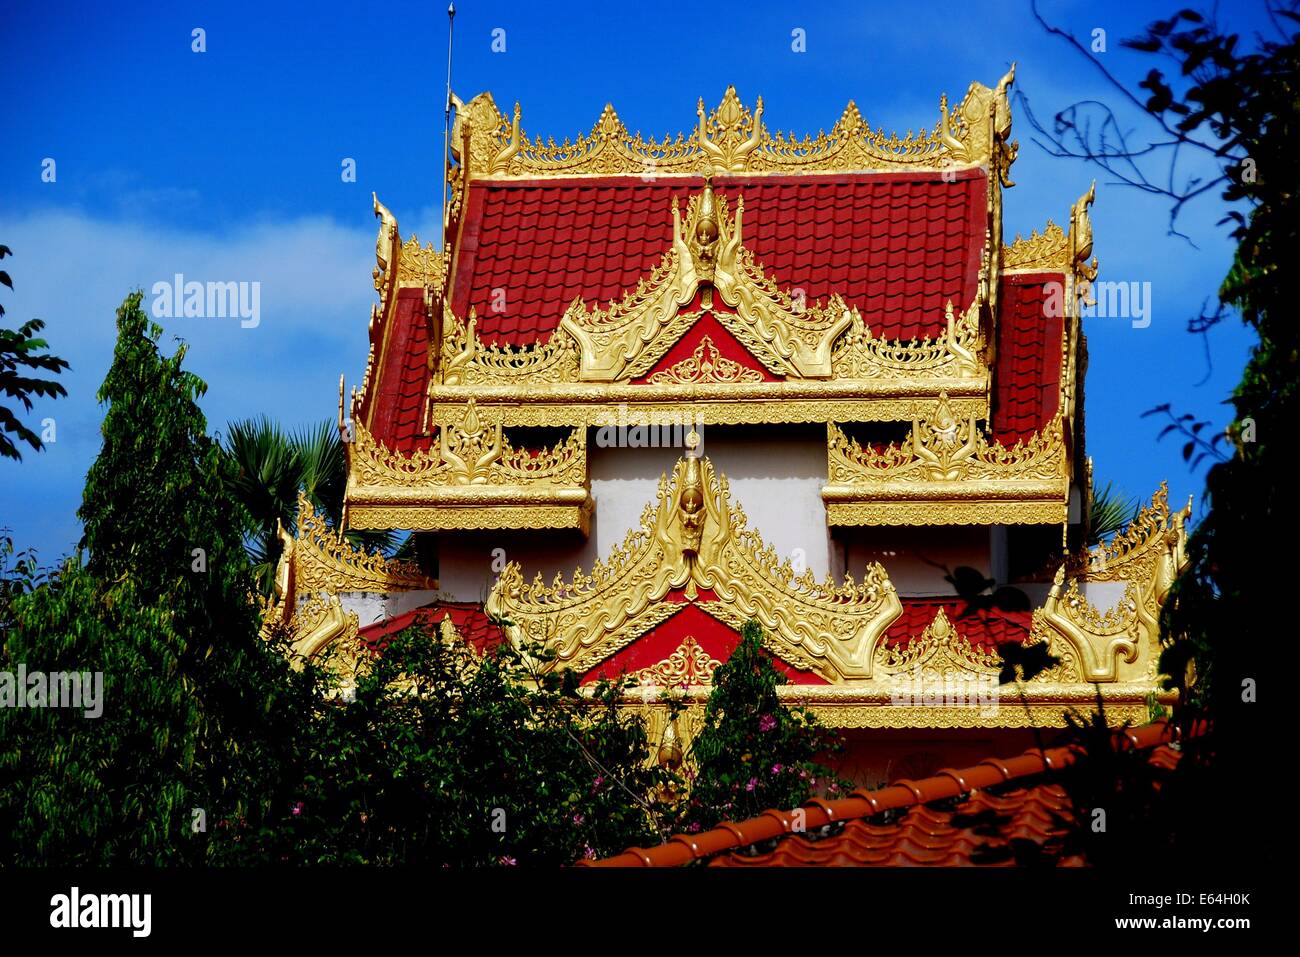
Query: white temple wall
[(776, 475)]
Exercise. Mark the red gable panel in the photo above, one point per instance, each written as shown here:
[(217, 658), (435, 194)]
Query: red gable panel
[(717, 639), (895, 245), (984, 629), (1027, 373)]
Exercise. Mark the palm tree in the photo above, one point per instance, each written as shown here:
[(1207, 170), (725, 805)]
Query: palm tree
[(1111, 511), (268, 468)]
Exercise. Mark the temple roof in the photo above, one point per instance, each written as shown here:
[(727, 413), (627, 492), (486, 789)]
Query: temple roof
[(942, 820), (729, 277), (895, 245)]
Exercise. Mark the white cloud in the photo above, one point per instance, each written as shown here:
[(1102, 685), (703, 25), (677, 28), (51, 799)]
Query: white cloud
[(73, 271)]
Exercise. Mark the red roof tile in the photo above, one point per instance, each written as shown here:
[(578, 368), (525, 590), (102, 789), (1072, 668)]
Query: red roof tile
[(403, 376), (896, 245), (469, 618), (1027, 372), (938, 820)]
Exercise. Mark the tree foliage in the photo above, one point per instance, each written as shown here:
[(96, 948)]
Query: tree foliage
[(1236, 104), (752, 752), (21, 350), (161, 608)]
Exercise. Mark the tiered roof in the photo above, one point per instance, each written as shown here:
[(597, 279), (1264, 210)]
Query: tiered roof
[(736, 276)]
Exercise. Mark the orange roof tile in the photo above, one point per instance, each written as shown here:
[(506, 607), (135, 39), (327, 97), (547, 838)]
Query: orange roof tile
[(940, 820)]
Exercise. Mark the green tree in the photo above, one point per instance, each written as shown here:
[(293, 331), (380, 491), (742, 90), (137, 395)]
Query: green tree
[(194, 709), (752, 752), (443, 757), (20, 349)]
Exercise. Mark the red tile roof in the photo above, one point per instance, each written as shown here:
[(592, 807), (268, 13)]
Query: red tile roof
[(896, 245), (938, 820), (402, 376), (468, 617), (1027, 371)]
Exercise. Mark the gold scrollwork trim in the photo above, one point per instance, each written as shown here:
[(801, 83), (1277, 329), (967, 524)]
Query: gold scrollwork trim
[(324, 561), (732, 139), (770, 403), (938, 512)]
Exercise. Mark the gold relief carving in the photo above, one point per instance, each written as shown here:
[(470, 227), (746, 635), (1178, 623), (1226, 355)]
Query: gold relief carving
[(948, 472), (849, 706), (972, 510), (470, 477), (984, 116), (769, 403), (387, 248), (706, 364), (324, 561), (441, 516), (688, 665), (319, 622), (693, 538), (859, 355), (732, 139), (1081, 238), (469, 453), (1045, 252), (939, 650), (811, 343), (466, 361), (1122, 643), (421, 266), (626, 340)]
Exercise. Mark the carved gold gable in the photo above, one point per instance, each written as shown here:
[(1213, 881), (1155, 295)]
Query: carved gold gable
[(693, 539)]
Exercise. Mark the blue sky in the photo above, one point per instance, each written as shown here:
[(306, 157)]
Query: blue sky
[(227, 164)]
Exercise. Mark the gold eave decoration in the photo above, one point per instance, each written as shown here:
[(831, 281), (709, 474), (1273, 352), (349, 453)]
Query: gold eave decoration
[(471, 477), (1055, 250), (948, 473), (692, 539), (936, 679), (828, 361), (324, 561), (1123, 642), (733, 139)]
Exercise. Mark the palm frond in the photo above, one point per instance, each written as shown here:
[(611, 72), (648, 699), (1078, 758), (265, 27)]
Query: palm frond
[(1111, 511)]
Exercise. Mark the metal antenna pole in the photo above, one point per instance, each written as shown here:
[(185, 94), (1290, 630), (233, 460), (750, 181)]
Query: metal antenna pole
[(446, 121)]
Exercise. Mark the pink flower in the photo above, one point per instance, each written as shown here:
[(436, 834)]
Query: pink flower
[(589, 853), (694, 828), (578, 819), (296, 808), (766, 723), (509, 861), (750, 785), (776, 768)]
